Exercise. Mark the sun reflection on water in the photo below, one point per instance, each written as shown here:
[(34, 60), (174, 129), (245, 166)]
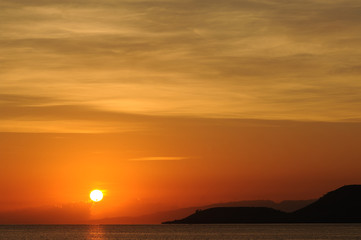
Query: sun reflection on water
[(96, 232)]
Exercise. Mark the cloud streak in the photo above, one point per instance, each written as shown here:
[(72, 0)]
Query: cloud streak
[(232, 59), (159, 159)]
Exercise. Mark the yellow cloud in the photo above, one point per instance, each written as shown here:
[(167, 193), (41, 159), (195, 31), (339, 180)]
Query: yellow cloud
[(229, 59)]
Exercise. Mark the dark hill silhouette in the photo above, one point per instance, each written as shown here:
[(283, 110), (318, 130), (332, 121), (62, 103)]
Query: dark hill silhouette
[(158, 217), (285, 206), (235, 215), (340, 206)]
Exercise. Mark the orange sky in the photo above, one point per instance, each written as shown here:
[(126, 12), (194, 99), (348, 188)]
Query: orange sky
[(167, 104)]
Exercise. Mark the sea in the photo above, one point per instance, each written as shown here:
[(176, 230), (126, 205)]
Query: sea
[(183, 232)]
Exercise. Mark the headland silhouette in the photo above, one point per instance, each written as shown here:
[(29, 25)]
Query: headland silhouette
[(342, 205)]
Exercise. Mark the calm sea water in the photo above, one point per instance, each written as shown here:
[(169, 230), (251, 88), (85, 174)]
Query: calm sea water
[(184, 232)]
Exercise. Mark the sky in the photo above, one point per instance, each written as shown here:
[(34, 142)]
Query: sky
[(166, 104)]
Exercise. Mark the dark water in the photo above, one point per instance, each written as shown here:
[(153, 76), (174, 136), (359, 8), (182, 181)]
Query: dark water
[(186, 232)]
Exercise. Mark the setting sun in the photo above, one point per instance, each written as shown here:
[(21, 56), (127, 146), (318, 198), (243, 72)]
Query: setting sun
[(96, 195)]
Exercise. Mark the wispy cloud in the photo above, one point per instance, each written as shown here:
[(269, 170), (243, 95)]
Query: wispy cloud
[(273, 59), (159, 159)]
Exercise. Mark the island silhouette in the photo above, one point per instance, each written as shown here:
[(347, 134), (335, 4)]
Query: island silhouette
[(342, 205), (159, 217)]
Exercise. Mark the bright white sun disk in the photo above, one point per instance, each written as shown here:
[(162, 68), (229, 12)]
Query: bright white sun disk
[(96, 195)]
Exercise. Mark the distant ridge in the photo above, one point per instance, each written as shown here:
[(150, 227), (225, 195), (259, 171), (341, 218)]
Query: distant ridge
[(342, 205), (235, 215), (158, 217)]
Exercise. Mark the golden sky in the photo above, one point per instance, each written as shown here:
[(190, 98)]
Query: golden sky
[(169, 103)]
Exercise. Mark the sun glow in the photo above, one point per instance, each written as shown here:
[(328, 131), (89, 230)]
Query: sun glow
[(96, 195)]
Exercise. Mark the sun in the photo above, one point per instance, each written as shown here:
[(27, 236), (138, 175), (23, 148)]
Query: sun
[(96, 195)]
